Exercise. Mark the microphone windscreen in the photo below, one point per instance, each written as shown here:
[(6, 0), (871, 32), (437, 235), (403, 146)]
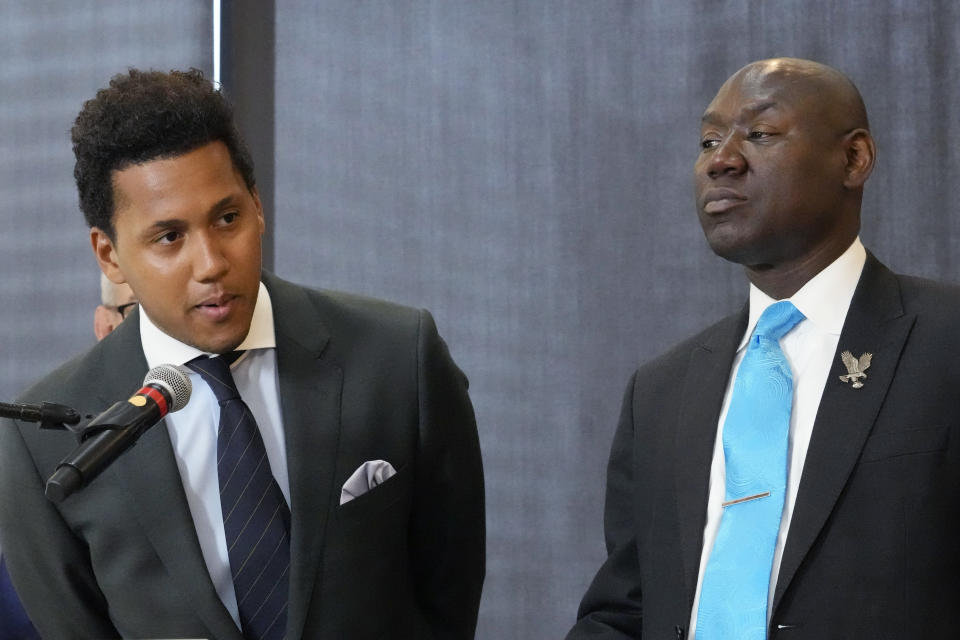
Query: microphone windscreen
[(175, 380)]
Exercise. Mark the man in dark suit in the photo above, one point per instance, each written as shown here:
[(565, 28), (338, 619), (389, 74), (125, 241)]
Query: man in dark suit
[(359, 414), (864, 543)]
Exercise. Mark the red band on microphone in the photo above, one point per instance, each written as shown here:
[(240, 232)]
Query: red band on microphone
[(156, 396)]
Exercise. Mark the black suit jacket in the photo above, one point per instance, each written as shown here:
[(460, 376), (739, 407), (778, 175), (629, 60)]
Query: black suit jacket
[(872, 548), (360, 380)]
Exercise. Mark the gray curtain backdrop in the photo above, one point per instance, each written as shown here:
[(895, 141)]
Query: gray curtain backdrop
[(56, 55), (521, 168)]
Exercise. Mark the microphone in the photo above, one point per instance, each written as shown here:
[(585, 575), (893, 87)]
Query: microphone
[(166, 388)]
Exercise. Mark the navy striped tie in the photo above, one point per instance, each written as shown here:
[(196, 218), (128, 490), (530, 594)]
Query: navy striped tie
[(256, 518)]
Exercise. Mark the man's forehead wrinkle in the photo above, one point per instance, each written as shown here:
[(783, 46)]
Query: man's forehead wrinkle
[(745, 112), (827, 84), (824, 95), (816, 94), (737, 99), (799, 72), (811, 91)]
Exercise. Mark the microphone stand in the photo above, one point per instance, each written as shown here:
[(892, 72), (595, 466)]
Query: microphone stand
[(62, 418), (48, 414), (55, 416)]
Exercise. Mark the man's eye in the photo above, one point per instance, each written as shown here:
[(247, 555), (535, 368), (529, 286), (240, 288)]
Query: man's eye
[(230, 218), (709, 143), (759, 135), (169, 237)]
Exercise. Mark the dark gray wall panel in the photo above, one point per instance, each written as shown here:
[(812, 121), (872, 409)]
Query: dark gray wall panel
[(247, 74), (56, 55)]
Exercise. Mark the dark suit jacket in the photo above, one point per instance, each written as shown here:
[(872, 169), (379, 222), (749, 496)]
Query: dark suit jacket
[(872, 551), (360, 380)]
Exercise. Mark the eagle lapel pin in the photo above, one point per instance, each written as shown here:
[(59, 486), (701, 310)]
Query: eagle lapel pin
[(856, 368)]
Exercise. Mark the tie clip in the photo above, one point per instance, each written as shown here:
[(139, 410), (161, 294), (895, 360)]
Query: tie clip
[(746, 499)]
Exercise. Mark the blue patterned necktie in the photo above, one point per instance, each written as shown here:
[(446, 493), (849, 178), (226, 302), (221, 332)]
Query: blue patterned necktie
[(736, 582), (256, 518)]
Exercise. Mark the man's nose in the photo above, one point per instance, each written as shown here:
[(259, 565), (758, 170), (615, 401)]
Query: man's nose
[(209, 260), (727, 158)]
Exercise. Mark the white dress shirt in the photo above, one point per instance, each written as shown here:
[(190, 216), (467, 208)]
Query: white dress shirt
[(809, 348), (193, 430)]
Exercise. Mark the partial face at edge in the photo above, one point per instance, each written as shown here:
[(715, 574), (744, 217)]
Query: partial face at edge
[(188, 242), (770, 174)]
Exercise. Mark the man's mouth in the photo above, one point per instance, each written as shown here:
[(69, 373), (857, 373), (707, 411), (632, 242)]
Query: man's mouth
[(217, 307), (722, 199)]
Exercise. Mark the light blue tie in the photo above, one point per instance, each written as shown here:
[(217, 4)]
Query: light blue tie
[(733, 595)]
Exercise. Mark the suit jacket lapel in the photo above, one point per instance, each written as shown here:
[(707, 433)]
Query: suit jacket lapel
[(702, 398), (151, 479), (875, 323), (310, 390)]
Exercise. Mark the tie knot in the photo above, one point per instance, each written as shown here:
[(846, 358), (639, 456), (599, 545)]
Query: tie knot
[(216, 373), (777, 320)]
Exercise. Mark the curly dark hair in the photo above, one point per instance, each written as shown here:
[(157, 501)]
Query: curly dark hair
[(142, 116)]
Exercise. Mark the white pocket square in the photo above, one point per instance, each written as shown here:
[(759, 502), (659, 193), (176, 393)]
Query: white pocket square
[(366, 477)]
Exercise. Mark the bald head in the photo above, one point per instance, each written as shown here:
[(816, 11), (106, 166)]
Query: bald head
[(113, 298), (113, 294), (825, 94), (785, 152)]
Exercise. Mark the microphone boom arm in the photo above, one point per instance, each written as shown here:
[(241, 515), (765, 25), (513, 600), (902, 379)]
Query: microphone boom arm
[(50, 415)]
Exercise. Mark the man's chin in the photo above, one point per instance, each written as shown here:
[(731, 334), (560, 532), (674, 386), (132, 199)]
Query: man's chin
[(218, 344), (219, 336), (218, 339), (729, 249), (738, 248)]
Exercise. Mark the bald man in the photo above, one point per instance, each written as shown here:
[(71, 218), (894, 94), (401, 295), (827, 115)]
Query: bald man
[(116, 301), (791, 471)]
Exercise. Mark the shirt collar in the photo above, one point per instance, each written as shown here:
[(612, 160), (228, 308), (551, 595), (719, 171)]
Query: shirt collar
[(160, 348), (824, 299)]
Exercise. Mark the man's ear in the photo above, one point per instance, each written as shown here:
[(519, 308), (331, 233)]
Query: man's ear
[(106, 255), (861, 152)]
